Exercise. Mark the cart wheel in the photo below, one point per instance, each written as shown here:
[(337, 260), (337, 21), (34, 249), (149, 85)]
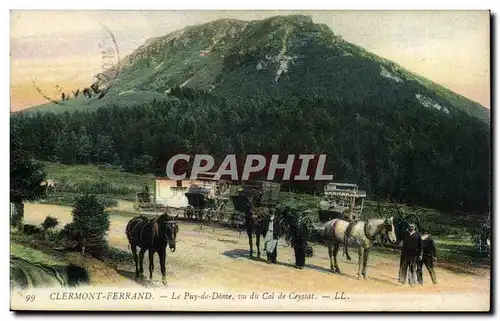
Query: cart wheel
[(205, 215), (188, 213), (219, 216), (196, 214), (214, 216)]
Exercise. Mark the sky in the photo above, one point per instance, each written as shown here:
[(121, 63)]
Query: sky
[(62, 49)]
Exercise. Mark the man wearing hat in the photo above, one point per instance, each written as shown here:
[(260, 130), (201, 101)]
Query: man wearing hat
[(428, 257), (412, 252)]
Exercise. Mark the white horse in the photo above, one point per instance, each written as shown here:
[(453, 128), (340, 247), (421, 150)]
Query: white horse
[(362, 235)]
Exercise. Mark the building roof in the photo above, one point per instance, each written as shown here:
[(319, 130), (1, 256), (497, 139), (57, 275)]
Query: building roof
[(346, 193)]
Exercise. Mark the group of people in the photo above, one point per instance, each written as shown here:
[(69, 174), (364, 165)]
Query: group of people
[(418, 250), (297, 238)]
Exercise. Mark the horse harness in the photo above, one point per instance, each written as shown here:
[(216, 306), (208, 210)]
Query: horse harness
[(353, 223), (154, 225), (376, 231)]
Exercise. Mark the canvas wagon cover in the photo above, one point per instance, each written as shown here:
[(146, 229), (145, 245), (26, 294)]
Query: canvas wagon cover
[(240, 193), (271, 194)]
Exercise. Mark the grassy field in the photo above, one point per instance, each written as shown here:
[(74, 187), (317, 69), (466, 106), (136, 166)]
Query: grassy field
[(107, 182), (74, 174)]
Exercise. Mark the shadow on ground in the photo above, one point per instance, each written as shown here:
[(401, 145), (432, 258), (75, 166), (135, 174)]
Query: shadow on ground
[(143, 280), (227, 241), (240, 253)]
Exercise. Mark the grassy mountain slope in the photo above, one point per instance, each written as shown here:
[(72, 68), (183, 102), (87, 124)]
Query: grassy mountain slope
[(278, 56)]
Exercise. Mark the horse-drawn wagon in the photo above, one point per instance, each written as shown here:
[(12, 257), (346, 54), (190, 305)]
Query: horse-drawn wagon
[(252, 194), (204, 205), (262, 193), (253, 202), (145, 201), (341, 200)]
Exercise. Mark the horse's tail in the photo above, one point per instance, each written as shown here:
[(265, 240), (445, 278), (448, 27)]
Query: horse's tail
[(127, 232), (346, 242)]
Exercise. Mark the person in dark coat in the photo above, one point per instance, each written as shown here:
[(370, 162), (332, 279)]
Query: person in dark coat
[(298, 242), (402, 257), (297, 234), (428, 258), (299, 247), (401, 260), (412, 253)]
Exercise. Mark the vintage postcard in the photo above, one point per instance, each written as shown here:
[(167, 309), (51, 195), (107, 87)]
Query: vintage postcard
[(250, 161)]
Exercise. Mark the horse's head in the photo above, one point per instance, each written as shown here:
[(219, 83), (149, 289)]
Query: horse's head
[(389, 231), (169, 229)]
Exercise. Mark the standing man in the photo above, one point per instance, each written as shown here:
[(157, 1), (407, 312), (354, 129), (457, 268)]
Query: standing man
[(299, 243), (299, 247), (428, 257), (412, 253), (401, 263), (402, 256)]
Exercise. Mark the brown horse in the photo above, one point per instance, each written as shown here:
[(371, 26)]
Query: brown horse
[(256, 218), (152, 235), (257, 222)]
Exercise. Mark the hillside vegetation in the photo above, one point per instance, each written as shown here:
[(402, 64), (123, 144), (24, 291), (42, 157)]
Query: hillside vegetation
[(279, 56), (282, 85), (417, 155), (69, 178)]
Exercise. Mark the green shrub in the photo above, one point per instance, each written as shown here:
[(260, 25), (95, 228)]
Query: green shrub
[(49, 223), (90, 224), (29, 229)]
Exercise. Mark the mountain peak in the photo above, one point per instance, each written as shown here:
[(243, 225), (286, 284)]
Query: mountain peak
[(283, 55), (295, 18)]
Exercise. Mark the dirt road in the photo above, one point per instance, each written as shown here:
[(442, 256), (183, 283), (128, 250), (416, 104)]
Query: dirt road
[(218, 259)]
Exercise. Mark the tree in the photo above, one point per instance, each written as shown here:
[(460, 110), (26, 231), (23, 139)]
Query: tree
[(49, 222), (104, 149), (90, 224), (26, 179), (142, 164), (84, 148), (386, 143)]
